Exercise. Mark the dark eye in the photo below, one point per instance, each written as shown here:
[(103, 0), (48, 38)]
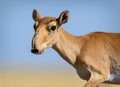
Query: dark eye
[(53, 28)]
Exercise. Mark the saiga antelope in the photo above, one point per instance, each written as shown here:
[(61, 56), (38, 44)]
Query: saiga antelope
[(95, 56)]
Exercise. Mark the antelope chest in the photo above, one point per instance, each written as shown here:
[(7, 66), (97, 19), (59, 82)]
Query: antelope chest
[(83, 73)]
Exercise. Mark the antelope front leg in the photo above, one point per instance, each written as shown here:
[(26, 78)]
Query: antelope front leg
[(95, 80)]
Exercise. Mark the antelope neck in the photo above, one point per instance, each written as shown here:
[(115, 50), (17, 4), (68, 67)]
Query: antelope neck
[(67, 46)]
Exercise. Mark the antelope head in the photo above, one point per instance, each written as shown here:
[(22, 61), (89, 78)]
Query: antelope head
[(46, 30)]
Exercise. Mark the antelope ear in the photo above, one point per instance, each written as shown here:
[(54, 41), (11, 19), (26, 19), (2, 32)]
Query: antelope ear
[(35, 15), (63, 18)]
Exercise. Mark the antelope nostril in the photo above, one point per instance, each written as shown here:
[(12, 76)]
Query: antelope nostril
[(34, 50)]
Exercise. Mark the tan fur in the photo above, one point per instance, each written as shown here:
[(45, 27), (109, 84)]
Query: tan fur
[(95, 56)]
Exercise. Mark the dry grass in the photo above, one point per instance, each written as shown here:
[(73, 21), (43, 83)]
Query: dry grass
[(42, 79)]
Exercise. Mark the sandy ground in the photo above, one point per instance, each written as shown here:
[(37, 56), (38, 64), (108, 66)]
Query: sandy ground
[(32, 78)]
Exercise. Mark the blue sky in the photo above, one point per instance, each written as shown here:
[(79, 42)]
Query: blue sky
[(16, 27)]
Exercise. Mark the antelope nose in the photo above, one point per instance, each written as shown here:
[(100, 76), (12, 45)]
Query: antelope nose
[(34, 50)]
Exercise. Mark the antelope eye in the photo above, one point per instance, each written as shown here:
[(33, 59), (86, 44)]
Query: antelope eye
[(53, 28)]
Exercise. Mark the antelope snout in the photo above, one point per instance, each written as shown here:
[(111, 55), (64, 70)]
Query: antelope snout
[(36, 51)]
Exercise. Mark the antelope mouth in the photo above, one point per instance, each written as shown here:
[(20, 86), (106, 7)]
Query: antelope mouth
[(36, 51)]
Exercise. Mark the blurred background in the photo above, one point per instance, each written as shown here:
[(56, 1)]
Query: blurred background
[(19, 67)]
